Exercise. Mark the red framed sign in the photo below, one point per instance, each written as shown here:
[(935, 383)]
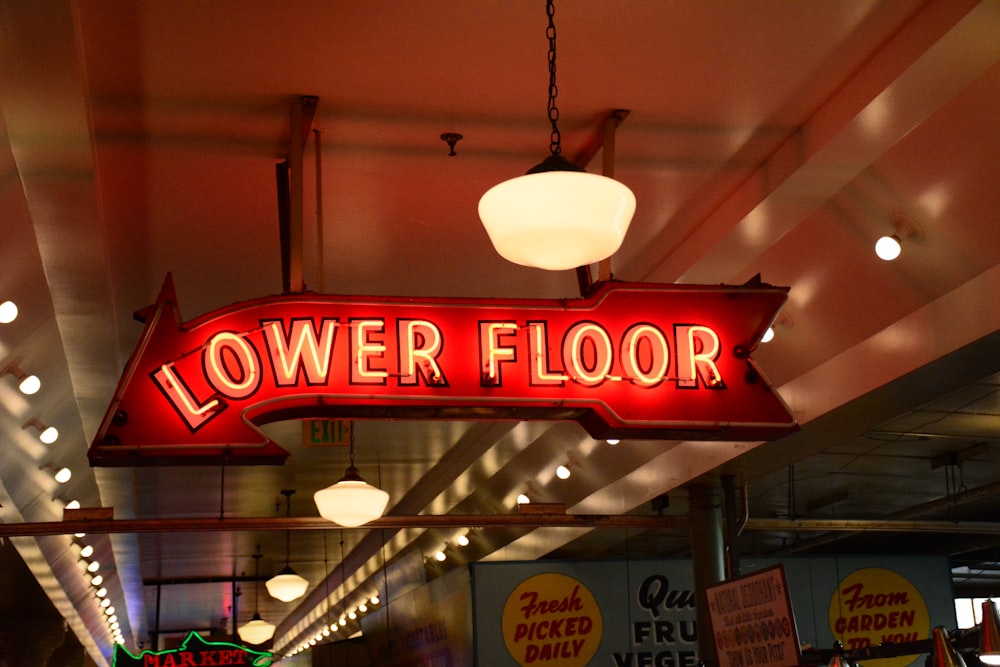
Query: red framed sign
[(632, 360), (752, 621)]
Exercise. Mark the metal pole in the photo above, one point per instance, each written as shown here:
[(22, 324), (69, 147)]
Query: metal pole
[(732, 527), (156, 628), (295, 278), (707, 558)]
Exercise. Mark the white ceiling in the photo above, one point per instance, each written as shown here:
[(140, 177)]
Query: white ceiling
[(140, 139)]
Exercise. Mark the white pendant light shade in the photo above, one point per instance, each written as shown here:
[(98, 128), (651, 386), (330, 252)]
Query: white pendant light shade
[(287, 585), (557, 220), (352, 501), (256, 631)]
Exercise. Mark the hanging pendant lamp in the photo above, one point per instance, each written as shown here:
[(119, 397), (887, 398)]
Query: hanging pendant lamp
[(943, 653), (352, 501), (257, 630), (287, 585), (557, 216), (989, 634)]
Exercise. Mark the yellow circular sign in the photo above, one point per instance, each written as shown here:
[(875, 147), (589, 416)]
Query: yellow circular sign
[(875, 605), (551, 619)]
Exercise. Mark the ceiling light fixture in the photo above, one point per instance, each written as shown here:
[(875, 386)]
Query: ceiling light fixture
[(557, 216), (523, 499), (8, 312), (563, 472), (47, 434), (462, 540), (351, 501), (989, 634), (287, 585), (944, 653), (890, 246), (256, 630), (26, 384), (61, 475)]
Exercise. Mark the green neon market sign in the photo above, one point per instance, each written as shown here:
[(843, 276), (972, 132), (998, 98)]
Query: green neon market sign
[(194, 652)]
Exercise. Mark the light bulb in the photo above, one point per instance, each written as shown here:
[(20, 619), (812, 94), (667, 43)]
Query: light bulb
[(562, 472), (463, 540), (49, 435), (523, 499), (93, 566), (612, 441), (440, 556), (8, 312), (30, 385), (87, 551), (888, 248), (63, 475), (768, 335)]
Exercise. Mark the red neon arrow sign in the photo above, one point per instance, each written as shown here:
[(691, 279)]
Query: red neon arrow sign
[(632, 360)]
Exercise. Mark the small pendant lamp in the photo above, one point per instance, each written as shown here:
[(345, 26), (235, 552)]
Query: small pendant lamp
[(557, 216), (989, 634), (352, 501), (287, 585), (943, 653), (256, 631)]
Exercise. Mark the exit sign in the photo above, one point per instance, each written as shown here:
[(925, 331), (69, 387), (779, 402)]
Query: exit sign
[(326, 432)]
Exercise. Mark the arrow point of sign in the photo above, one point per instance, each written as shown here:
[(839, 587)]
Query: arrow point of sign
[(167, 295)]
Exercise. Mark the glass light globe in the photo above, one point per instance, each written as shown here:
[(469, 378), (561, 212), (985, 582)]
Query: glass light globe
[(8, 312), (888, 248), (256, 631), (30, 385), (557, 216), (287, 585), (352, 501)]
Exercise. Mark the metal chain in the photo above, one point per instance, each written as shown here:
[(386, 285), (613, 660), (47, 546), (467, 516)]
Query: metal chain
[(550, 32)]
